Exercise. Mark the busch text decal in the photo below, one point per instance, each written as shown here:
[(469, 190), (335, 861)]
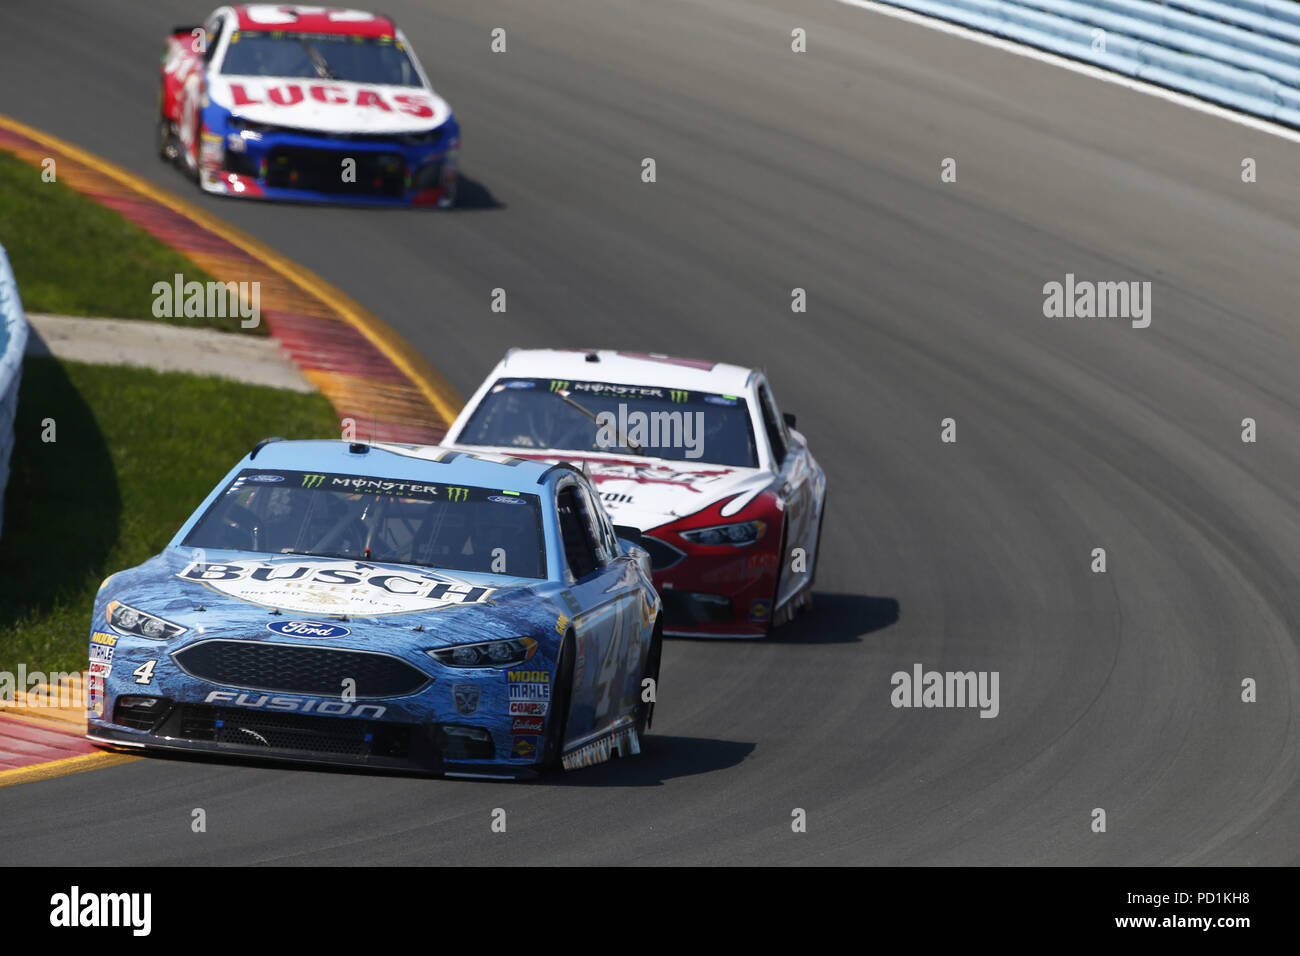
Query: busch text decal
[(335, 587)]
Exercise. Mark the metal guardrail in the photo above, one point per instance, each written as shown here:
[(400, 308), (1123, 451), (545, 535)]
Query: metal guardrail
[(13, 343), (1243, 54)]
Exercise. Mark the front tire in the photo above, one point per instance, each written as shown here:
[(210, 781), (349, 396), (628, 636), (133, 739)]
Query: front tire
[(558, 719), (165, 136)]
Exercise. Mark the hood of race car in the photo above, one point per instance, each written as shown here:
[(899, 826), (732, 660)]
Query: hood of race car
[(329, 106), (649, 492), (353, 603)]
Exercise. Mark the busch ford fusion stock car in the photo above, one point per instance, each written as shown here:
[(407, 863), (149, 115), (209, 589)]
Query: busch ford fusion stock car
[(305, 103), (696, 455), (392, 606)]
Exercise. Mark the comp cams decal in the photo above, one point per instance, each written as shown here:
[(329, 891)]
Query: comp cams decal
[(334, 587)]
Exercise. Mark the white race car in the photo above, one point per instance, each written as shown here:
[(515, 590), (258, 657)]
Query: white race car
[(695, 454)]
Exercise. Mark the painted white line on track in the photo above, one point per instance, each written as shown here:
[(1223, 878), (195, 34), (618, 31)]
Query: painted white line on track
[(1075, 66)]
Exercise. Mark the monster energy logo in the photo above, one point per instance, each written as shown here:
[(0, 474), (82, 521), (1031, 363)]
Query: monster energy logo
[(457, 494), (559, 386), (313, 481), (679, 395)]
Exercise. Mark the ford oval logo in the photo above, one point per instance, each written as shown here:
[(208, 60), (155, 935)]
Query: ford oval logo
[(308, 629)]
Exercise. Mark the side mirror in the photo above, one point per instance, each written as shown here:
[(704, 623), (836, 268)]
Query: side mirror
[(789, 419), (625, 532)]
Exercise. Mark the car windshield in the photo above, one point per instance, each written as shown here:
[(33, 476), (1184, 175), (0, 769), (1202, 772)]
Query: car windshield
[(602, 417), (376, 519), (357, 59)]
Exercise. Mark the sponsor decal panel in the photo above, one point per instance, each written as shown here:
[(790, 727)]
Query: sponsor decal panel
[(95, 694), (528, 677), (530, 692), (308, 629), (524, 748), (526, 725), (466, 697), (287, 95), (657, 475), (296, 705), (528, 708), (335, 587), (760, 611)]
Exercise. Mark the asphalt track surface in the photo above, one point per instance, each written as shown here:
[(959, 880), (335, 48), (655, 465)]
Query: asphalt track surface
[(821, 171)]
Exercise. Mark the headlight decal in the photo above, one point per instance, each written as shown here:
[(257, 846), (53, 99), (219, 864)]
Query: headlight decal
[(131, 621), (505, 653), (738, 534)]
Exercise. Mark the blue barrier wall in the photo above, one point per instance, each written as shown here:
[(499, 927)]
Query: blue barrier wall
[(13, 341), (1242, 54)]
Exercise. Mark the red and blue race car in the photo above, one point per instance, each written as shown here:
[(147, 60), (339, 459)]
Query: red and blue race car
[(305, 103)]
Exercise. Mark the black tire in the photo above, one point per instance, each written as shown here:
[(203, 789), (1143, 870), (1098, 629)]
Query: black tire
[(776, 588), (645, 710), (558, 719), (166, 137), (817, 549)]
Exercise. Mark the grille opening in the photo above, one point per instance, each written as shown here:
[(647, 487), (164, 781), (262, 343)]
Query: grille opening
[(297, 732), (662, 554), (465, 743), (685, 608), (141, 713), (297, 669), (320, 170)]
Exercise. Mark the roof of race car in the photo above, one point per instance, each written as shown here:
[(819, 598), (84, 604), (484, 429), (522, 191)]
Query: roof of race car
[(405, 462), (293, 19), (626, 368)]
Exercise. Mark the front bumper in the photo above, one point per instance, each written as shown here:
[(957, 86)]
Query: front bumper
[(302, 738), (356, 170), (406, 712), (721, 592)]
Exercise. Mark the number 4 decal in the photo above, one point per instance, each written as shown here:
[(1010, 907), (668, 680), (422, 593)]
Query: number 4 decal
[(144, 673)]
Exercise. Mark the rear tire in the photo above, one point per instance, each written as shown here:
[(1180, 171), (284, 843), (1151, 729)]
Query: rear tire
[(645, 709), (557, 719)]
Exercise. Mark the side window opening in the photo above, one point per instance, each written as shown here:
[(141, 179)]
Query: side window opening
[(602, 530), (575, 529), (773, 425), (213, 38)]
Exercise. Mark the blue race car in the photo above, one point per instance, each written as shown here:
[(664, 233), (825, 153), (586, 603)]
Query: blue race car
[(394, 606), (305, 103)]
